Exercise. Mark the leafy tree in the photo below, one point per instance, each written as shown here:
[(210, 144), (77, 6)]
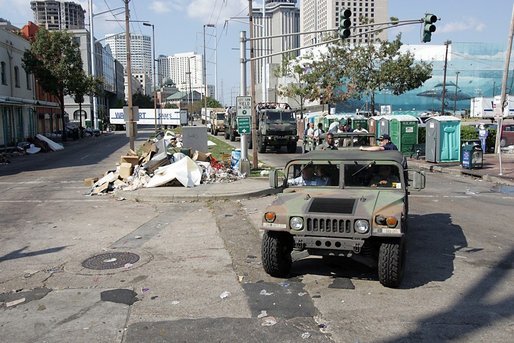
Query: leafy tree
[(375, 67), (54, 59), (170, 106), (213, 103), (344, 71), (142, 100)]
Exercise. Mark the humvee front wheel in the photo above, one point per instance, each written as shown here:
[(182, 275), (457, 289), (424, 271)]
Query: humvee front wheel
[(276, 253), (391, 258)]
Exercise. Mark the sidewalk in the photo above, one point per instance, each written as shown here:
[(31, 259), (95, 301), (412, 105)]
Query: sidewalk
[(489, 172)]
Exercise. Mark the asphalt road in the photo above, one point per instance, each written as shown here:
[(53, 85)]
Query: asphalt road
[(199, 276)]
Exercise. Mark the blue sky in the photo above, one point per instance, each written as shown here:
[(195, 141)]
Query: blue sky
[(179, 25)]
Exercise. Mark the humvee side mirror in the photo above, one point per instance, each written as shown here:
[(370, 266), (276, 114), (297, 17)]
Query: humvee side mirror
[(273, 178), (418, 179)]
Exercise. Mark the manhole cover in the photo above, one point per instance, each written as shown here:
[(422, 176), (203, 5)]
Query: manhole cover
[(110, 260)]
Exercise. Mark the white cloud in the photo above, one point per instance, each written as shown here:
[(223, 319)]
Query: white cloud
[(467, 24), (223, 10), (161, 6)]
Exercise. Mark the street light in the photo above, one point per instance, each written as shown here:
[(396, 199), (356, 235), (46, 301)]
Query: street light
[(205, 71), (94, 114), (154, 76)]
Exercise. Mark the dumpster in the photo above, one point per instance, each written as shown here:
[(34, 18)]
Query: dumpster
[(472, 156), (403, 130), (443, 139)]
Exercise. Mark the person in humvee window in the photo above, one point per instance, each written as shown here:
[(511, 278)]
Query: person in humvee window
[(384, 177), (310, 177)]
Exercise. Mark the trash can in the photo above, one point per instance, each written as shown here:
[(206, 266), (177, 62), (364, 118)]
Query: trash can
[(472, 156)]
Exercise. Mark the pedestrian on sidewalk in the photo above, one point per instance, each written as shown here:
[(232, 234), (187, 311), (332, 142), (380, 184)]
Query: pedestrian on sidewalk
[(482, 135)]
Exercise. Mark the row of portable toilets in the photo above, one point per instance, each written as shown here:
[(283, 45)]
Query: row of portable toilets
[(442, 142)]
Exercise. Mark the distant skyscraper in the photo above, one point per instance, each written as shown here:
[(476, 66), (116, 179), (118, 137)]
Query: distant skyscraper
[(177, 68), (140, 51), (58, 15), (280, 17), (324, 14)]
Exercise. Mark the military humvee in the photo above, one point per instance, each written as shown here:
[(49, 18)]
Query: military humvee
[(343, 208)]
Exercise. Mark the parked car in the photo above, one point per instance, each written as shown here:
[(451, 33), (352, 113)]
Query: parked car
[(507, 137)]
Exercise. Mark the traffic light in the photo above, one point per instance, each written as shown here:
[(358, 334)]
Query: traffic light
[(344, 24), (428, 27)]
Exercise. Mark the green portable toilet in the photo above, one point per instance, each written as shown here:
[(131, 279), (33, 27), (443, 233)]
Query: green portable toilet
[(359, 120), (403, 130), (442, 139)]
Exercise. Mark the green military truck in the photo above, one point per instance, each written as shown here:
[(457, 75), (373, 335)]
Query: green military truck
[(346, 203), (276, 126)]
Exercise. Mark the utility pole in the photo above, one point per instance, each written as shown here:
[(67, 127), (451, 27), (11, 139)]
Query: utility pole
[(94, 116), (503, 97), (154, 76), (448, 42), (255, 157), (131, 124)]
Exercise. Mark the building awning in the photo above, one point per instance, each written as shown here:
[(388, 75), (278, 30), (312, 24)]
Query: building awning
[(9, 100)]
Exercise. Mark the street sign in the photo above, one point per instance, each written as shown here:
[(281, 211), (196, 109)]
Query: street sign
[(244, 124), (244, 105)]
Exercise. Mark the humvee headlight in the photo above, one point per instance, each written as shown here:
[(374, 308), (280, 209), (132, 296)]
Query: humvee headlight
[(389, 221), (296, 223), (361, 226), (270, 217)]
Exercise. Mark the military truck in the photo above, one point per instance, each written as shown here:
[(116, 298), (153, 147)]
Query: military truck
[(217, 122), (342, 209), (276, 126), (230, 124)]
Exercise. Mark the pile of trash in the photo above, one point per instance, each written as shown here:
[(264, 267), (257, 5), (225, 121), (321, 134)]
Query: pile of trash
[(163, 161)]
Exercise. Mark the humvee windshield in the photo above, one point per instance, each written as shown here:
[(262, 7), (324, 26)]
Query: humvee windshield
[(356, 174), (220, 116)]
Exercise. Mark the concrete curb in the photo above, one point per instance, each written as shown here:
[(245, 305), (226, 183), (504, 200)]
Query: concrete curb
[(200, 193)]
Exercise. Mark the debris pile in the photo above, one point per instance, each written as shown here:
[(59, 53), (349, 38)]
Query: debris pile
[(163, 161)]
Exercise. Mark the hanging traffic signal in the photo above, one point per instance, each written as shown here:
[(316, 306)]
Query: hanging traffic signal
[(428, 27), (344, 24)]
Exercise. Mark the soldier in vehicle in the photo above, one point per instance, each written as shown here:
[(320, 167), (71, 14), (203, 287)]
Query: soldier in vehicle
[(384, 177), (309, 178), (384, 144)]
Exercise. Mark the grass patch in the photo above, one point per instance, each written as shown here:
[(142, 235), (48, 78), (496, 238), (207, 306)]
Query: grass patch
[(221, 149)]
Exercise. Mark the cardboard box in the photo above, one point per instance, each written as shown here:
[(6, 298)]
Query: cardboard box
[(126, 170), (133, 160)]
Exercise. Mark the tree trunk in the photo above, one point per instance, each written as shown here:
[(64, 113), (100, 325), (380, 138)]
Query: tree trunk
[(61, 103), (372, 104)]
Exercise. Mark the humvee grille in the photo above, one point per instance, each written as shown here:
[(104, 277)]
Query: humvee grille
[(330, 205), (329, 225)]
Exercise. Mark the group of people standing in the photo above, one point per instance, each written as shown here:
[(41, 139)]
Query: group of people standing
[(315, 136)]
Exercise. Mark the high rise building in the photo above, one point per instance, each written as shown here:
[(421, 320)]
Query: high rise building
[(58, 15), (177, 67), (324, 14), (277, 18), (140, 51)]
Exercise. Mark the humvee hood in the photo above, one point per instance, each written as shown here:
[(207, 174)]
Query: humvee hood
[(337, 202)]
